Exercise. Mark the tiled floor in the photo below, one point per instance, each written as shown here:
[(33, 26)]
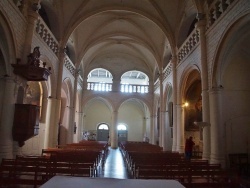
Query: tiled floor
[(114, 166)]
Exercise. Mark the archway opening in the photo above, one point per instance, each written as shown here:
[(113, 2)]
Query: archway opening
[(134, 82), (122, 132), (103, 132)]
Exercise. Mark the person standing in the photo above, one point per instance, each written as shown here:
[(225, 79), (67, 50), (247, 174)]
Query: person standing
[(189, 147)]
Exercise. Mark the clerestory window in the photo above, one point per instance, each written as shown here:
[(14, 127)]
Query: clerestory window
[(134, 82), (100, 80)]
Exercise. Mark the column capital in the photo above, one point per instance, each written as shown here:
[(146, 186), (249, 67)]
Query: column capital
[(173, 59), (61, 53), (201, 24), (216, 89)]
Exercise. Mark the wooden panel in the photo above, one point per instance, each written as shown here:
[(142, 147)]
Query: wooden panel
[(26, 122)]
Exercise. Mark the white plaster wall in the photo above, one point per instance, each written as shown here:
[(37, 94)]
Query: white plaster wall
[(236, 94), (97, 113), (34, 145), (133, 117)]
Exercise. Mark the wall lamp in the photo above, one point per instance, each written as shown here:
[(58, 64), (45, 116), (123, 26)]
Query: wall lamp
[(185, 104)]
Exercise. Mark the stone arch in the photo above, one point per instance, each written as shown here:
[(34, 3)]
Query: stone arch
[(133, 112), (7, 45), (183, 82), (105, 100), (230, 75), (227, 41), (96, 109)]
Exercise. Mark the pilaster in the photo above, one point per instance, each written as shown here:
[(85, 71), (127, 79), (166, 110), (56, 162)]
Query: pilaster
[(217, 127), (180, 129)]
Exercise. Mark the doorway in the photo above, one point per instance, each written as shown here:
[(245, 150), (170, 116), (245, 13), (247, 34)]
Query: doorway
[(103, 132), (122, 133)]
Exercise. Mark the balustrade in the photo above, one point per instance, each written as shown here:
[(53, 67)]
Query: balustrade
[(167, 71), (188, 44), (127, 88), (69, 65), (216, 10), (80, 80), (157, 84), (95, 86), (44, 32)]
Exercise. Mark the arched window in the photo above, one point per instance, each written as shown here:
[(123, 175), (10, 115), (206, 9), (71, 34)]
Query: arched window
[(103, 126), (100, 80), (134, 82), (121, 127)]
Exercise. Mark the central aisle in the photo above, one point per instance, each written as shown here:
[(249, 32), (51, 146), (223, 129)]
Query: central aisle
[(114, 166)]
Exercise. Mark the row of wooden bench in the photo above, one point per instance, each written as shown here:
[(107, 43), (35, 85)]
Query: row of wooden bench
[(36, 170), (144, 164)]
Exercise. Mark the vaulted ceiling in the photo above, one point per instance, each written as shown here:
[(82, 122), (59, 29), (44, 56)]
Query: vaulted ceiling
[(120, 35)]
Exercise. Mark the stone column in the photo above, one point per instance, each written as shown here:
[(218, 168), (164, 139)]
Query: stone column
[(168, 139), (151, 87), (114, 136), (69, 110), (79, 130), (201, 26), (116, 85), (144, 128), (180, 129), (174, 62), (152, 130), (85, 83), (50, 121), (161, 129), (73, 110), (62, 56), (217, 127), (164, 130), (155, 129), (6, 120)]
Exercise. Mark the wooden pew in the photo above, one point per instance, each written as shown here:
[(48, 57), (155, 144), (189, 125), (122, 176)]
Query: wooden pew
[(18, 172), (37, 170)]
